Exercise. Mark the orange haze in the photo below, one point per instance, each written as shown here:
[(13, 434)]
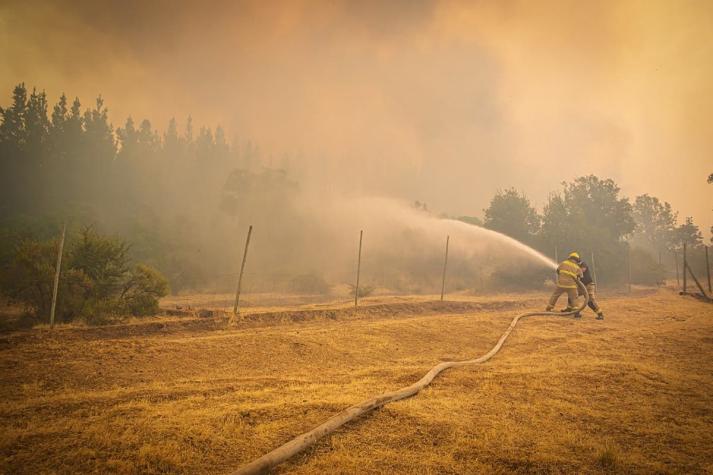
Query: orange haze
[(441, 101)]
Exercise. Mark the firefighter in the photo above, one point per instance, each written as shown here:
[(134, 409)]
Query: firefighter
[(591, 290), (567, 274)]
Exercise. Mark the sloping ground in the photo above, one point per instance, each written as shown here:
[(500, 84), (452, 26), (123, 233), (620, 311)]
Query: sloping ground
[(629, 394)]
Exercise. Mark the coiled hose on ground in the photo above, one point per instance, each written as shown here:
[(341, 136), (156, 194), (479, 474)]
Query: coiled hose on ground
[(301, 442)]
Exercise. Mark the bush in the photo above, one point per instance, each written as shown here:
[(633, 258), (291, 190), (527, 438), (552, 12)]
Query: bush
[(142, 290), (309, 284), (30, 279), (95, 283), (103, 259)]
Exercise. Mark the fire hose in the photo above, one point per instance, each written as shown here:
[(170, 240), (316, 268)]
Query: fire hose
[(301, 442)]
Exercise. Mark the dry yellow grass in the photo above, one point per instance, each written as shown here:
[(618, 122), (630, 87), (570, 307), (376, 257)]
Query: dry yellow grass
[(629, 394)]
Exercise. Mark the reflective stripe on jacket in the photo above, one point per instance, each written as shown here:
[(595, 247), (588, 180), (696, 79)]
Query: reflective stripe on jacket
[(567, 273)]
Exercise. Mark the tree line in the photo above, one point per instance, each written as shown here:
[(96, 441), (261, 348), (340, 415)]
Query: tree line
[(53, 161), (68, 162), (170, 193), (590, 215), (160, 191)]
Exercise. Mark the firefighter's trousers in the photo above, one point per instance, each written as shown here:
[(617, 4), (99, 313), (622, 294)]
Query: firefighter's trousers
[(592, 291), (571, 297)]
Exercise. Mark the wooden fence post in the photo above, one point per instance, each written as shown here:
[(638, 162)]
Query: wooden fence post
[(629, 266), (685, 265), (698, 284), (236, 307), (594, 271), (356, 289), (678, 278), (708, 272), (445, 265), (56, 275)]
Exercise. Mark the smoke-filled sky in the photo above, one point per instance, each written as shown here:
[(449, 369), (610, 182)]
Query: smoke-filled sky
[(441, 101)]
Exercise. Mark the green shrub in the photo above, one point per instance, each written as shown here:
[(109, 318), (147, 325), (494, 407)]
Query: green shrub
[(95, 283), (142, 290), (30, 279), (103, 259)]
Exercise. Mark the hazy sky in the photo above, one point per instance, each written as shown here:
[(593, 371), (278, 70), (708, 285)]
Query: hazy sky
[(441, 101)]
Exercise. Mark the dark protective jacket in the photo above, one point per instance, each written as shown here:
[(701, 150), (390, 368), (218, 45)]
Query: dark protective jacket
[(586, 274)]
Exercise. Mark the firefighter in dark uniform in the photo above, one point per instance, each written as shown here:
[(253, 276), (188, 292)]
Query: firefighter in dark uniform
[(591, 290)]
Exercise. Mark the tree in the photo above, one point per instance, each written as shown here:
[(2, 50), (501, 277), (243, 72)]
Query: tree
[(64, 162), (590, 216), (104, 260), (12, 128), (588, 210), (187, 137), (37, 128), (222, 149), (97, 156), (99, 133), (29, 278), (655, 223), (170, 138), (645, 269), (164, 191), (510, 213), (128, 140), (137, 164), (13, 138), (687, 233), (205, 144)]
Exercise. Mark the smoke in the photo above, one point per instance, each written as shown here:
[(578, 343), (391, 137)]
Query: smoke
[(403, 246), (441, 101)]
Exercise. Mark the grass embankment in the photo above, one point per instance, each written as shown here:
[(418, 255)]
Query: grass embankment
[(629, 394)]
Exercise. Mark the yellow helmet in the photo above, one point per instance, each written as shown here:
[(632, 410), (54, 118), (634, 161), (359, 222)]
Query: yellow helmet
[(574, 255)]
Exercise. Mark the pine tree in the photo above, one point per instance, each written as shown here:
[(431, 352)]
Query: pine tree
[(12, 128), (12, 139), (170, 137), (98, 154), (188, 133)]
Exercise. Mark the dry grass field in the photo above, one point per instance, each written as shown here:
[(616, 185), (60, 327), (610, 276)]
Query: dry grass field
[(631, 394)]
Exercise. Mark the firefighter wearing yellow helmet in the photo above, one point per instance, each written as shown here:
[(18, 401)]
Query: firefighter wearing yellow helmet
[(567, 274)]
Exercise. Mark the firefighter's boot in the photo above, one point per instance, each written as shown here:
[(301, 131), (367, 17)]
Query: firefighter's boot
[(571, 309)]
